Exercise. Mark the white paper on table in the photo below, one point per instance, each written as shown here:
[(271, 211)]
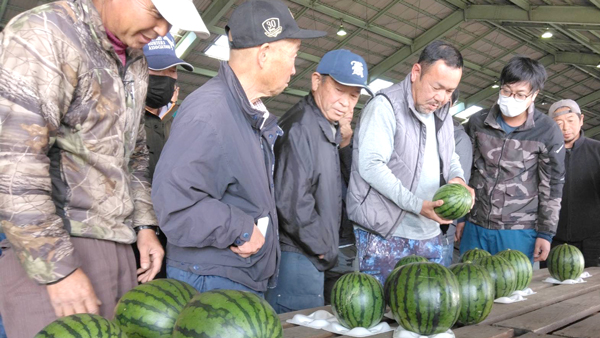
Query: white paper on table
[(516, 296), (401, 332), (579, 280), (324, 320)]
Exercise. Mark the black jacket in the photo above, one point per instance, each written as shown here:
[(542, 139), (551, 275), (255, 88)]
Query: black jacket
[(157, 133), (580, 207), (308, 184), (214, 181)]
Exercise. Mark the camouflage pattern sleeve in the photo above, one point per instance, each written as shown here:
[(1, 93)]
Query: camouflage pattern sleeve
[(551, 171), (38, 74), (143, 213)]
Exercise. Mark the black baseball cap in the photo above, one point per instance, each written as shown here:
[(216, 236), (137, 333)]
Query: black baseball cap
[(260, 21)]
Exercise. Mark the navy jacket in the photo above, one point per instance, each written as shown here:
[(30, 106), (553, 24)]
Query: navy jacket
[(214, 181), (308, 184)]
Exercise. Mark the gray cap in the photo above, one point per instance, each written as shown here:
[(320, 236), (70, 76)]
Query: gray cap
[(572, 105)]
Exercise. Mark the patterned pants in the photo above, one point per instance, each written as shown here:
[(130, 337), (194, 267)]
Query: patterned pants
[(378, 256)]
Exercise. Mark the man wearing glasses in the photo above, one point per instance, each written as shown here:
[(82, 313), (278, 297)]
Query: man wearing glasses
[(518, 169)]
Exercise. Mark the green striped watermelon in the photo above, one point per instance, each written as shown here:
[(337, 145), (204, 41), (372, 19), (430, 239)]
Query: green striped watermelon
[(425, 298), (410, 259), (565, 262), (228, 313), (476, 292), (357, 300), (457, 201), (82, 325), (473, 255), (522, 265), (151, 309), (503, 274)]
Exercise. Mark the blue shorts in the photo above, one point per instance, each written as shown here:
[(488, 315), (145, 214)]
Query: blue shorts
[(494, 241)]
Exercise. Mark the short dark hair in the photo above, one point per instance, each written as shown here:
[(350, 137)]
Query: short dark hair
[(524, 69), (440, 50)]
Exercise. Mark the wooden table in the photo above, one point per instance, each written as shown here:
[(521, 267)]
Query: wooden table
[(554, 311)]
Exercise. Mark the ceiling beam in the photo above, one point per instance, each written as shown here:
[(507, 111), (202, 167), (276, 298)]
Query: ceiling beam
[(592, 132), (3, 9), (596, 3), (523, 4), (593, 97), (215, 11), (542, 14), (336, 14), (435, 32), (544, 26), (583, 59), (577, 36)]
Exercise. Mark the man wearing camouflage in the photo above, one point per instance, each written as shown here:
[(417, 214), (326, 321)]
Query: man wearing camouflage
[(518, 168), (74, 186)]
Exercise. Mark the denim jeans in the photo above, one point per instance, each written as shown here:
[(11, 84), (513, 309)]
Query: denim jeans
[(299, 286), (207, 283), (494, 241)]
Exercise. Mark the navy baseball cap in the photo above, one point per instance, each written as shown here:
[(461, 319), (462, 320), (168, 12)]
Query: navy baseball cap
[(260, 21), (345, 68), (160, 53)]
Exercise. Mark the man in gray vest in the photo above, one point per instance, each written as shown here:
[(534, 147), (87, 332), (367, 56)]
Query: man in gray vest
[(403, 152)]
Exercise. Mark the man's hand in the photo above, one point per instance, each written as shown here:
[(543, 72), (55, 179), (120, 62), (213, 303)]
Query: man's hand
[(459, 231), (257, 240), (427, 211), (541, 250), (460, 181), (346, 131), (72, 295), (151, 255)]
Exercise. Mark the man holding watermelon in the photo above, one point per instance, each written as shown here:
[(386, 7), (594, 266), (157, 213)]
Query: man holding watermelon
[(580, 205), (404, 151), (74, 185), (518, 168)]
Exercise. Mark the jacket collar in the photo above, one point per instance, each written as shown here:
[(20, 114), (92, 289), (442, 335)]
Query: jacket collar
[(254, 116), (490, 120), (406, 85), (579, 141), (323, 122), (91, 16)]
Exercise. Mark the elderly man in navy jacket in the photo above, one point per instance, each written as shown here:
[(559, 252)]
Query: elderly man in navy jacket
[(308, 185)]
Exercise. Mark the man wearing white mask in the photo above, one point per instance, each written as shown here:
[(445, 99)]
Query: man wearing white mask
[(518, 168)]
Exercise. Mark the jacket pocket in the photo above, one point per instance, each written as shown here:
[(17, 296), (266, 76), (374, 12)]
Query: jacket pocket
[(520, 205)]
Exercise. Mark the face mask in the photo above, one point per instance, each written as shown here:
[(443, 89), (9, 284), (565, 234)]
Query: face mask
[(160, 91), (511, 107)]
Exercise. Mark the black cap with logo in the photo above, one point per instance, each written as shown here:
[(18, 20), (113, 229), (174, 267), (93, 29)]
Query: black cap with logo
[(260, 21)]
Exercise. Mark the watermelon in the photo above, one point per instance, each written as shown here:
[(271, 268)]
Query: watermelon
[(151, 309), (503, 274), (522, 265), (565, 262), (228, 313), (425, 298), (473, 255), (476, 292), (357, 300), (82, 325), (410, 259), (457, 201)]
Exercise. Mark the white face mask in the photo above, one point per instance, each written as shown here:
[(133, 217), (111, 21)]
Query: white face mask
[(511, 107)]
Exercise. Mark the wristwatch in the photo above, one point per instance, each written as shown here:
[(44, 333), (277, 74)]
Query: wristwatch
[(142, 227)]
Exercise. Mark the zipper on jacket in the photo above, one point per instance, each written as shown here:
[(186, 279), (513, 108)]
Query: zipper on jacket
[(496, 183)]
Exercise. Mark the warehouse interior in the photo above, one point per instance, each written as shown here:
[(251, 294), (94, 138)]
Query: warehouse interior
[(564, 35)]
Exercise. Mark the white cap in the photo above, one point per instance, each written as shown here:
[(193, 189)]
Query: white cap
[(182, 14)]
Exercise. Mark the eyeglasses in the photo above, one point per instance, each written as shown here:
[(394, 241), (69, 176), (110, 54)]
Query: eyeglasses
[(519, 97)]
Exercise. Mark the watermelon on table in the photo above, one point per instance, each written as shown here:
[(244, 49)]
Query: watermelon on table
[(357, 300), (150, 310), (410, 259), (476, 292), (565, 262), (473, 255), (425, 298), (82, 325), (503, 274), (522, 265), (457, 201), (228, 313)]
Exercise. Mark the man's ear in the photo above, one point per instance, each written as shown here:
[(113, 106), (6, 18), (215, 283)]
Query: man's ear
[(316, 79), (415, 72), (263, 54)]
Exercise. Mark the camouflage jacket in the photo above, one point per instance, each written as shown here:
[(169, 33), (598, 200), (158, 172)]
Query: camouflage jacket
[(518, 178), (72, 142)]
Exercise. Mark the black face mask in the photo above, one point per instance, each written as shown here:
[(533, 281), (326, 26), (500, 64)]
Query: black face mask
[(160, 91)]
